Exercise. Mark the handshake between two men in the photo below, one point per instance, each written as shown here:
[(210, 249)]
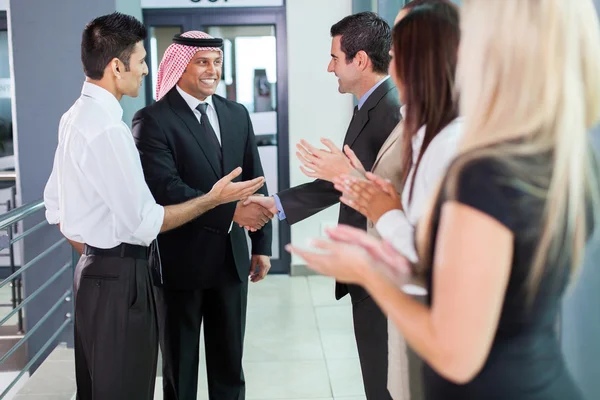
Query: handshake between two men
[(251, 211), (368, 194), (250, 215)]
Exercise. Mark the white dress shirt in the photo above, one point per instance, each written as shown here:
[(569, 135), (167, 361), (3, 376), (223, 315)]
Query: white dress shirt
[(96, 190), (210, 110), (398, 227)]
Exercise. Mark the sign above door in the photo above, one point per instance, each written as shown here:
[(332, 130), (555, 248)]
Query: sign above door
[(210, 3)]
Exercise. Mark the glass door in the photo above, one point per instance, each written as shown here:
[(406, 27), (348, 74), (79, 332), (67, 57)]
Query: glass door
[(250, 78)]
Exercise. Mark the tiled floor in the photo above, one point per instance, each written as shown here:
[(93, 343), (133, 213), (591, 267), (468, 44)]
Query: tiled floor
[(299, 345)]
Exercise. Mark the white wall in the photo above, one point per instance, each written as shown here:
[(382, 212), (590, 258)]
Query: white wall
[(316, 108)]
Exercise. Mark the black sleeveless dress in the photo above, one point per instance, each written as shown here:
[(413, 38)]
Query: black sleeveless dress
[(525, 361)]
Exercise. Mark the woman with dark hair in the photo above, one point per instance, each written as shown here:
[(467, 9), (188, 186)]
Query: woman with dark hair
[(415, 155), (425, 51)]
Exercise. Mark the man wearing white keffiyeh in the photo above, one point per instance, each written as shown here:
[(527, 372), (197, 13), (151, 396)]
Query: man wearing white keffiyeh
[(187, 140)]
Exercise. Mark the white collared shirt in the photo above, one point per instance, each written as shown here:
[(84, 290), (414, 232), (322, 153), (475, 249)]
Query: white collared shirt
[(398, 227), (96, 190), (193, 102)]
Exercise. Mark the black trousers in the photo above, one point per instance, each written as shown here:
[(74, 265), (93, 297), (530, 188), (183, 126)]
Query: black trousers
[(370, 330), (223, 310), (116, 332)]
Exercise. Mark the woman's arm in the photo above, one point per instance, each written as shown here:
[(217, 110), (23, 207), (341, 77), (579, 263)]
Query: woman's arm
[(471, 270)]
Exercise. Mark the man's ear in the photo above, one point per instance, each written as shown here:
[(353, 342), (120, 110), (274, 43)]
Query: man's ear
[(116, 67), (362, 59)]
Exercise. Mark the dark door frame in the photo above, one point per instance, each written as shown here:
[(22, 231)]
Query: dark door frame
[(198, 19)]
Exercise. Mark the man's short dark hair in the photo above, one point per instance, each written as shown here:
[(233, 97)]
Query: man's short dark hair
[(109, 36), (368, 32)]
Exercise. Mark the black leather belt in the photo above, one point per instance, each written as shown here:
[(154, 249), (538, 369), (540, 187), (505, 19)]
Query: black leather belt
[(124, 250)]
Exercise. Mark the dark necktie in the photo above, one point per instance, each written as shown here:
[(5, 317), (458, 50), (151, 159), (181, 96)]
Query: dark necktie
[(207, 129), (354, 114)]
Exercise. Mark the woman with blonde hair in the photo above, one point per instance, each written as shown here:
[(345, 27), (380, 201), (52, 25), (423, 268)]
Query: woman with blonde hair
[(510, 223)]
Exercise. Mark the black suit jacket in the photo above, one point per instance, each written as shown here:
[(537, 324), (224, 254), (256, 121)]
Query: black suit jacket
[(179, 165), (367, 132)]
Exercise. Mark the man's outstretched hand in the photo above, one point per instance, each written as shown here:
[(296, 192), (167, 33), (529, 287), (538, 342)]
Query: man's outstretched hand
[(226, 191)]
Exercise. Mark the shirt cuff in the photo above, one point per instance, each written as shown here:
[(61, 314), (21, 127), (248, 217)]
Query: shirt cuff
[(52, 216), (280, 212), (388, 223), (152, 220), (394, 227)]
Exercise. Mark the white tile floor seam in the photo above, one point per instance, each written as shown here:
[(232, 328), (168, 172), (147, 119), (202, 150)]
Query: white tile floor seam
[(299, 345)]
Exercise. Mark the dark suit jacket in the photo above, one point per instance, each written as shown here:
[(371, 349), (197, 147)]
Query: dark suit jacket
[(179, 165), (367, 132)]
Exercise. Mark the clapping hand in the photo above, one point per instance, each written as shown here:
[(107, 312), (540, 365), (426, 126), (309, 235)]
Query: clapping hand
[(372, 197), (393, 263), (324, 164), (352, 255)]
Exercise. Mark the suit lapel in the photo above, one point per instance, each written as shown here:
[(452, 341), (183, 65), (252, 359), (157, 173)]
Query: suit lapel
[(356, 126), (362, 117), (230, 140), (183, 111), (389, 142)]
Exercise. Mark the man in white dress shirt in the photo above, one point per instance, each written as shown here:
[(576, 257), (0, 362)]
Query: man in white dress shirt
[(97, 195)]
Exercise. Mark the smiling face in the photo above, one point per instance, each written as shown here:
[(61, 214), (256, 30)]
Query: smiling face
[(347, 72), (202, 75)]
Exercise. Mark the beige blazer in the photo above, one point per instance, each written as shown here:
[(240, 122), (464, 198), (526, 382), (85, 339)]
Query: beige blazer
[(388, 164), (404, 367)]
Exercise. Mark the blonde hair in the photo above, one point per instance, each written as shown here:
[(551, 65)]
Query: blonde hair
[(529, 81)]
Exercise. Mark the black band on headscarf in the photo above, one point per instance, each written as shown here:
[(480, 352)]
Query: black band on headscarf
[(187, 41)]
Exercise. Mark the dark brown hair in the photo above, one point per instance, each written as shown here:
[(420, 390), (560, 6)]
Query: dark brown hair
[(425, 46), (369, 32), (109, 36), (443, 4)]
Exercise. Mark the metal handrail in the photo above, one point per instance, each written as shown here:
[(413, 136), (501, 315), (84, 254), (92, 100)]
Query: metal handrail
[(8, 176), (20, 213), (6, 223), (28, 232), (34, 294), (32, 262), (37, 356), (55, 307)]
